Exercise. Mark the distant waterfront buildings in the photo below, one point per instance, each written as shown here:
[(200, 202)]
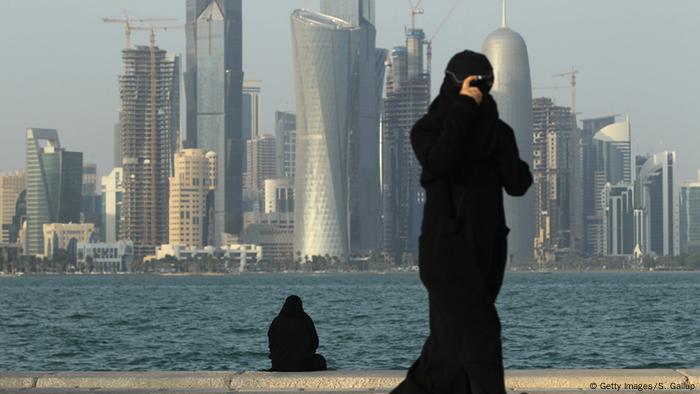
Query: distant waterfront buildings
[(149, 115), (112, 194), (261, 162), (407, 99), (507, 51), (91, 201), (619, 219), (213, 89), (251, 109), (12, 184), (105, 257), (279, 195), (54, 183)]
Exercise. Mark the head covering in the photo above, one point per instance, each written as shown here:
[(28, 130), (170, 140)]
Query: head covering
[(292, 306), (464, 64)]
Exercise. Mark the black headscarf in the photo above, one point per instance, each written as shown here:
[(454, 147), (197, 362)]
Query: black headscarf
[(292, 307), (464, 64)]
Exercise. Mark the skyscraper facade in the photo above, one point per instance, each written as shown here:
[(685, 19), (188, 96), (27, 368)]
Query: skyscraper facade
[(553, 127), (326, 55), (261, 162), (149, 116), (407, 99), (364, 171), (512, 90), (690, 217), (251, 107), (285, 135), (54, 185), (619, 219), (11, 185), (213, 86), (189, 187)]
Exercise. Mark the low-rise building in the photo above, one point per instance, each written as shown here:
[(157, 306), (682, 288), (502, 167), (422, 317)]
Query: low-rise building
[(66, 236), (106, 256)]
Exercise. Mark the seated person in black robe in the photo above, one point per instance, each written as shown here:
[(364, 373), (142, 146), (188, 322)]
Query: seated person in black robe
[(293, 340)]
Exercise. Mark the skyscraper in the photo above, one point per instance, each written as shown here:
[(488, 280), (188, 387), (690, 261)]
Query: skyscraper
[(149, 116), (54, 183), (11, 185), (660, 222), (326, 60), (512, 90), (619, 219), (251, 107), (189, 187), (365, 189), (213, 86), (553, 127), (407, 99), (610, 163), (285, 138)]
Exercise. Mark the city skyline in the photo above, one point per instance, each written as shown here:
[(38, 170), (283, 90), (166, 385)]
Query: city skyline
[(660, 124)]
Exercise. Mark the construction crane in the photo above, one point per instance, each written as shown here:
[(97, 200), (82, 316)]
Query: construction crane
[(429, 43), (571, 74), (128, 24)]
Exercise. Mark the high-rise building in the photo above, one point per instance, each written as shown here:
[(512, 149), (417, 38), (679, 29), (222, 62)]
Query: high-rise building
[(112, 192), (12, 184), (285, 134), (619, 219), (659, 225), (54, 185), (261, 163), (213, 89), (89, 179), (325, 52), (91, 201), (117, 148), (251, 107), (690, 217), (189, 187), (553, 127), (407, 100), (610, 162), (512, 91), (584, 167), (364, 169), (149, 115)]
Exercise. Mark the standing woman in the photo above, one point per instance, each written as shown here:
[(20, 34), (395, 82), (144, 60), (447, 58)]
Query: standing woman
[(468, 157)]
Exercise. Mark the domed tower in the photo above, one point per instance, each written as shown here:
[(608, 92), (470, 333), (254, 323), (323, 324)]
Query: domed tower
[(512, 90)]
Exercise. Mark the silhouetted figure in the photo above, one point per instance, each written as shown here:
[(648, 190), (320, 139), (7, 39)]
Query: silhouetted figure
[(293, 340), (468, 156)]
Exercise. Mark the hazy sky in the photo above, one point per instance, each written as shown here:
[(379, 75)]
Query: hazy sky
[(59, 62)]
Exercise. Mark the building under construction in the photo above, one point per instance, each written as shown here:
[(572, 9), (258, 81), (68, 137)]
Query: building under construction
[(407, 100), (149, 118)]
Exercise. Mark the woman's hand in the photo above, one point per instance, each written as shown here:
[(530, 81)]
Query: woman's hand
[(471, 91)]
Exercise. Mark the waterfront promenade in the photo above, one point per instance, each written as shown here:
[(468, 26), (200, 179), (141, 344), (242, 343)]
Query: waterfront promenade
[(529, 381)]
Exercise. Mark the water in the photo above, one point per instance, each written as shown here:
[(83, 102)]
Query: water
[(364, 321)]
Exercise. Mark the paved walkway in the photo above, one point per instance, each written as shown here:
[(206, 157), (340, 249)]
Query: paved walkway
[(531, 381)]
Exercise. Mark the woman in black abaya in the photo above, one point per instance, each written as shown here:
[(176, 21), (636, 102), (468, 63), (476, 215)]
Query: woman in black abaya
[(468, 157)]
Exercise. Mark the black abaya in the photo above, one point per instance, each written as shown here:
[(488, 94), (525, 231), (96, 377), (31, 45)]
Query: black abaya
[(468, 157), (293, 340)]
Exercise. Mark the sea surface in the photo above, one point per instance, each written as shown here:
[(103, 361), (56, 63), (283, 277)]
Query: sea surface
[(364, 321)]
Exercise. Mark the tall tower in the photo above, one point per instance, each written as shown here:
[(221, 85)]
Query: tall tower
[(54, 185), (189, 187), (407, 99), (213, 86), (150, 119), (365, 190), (512, 90), (326, 61)]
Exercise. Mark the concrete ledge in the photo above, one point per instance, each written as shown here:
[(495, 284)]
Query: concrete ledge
[(534, 381)]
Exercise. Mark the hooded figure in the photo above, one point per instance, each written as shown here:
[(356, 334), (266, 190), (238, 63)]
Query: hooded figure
[(468, 157), (293, 340)]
